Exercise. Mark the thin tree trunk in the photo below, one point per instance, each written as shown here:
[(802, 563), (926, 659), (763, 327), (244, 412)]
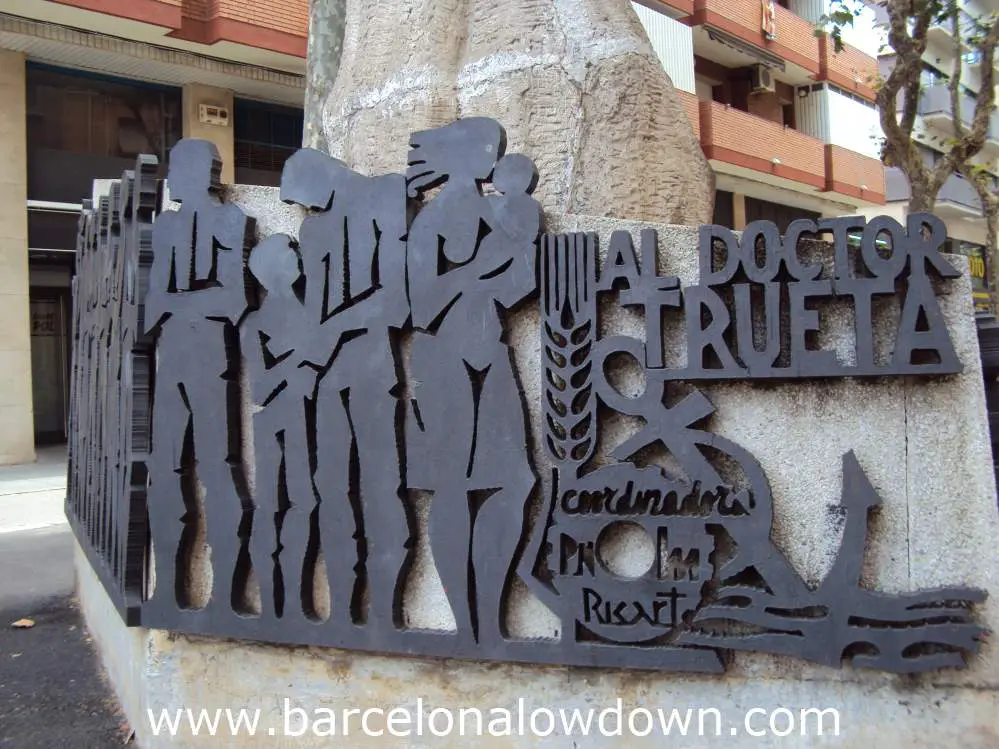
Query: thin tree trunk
[(326, 27), (922, 199)]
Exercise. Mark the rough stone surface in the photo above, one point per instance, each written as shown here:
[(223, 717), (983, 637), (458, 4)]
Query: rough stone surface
[(924, 445), (575, 82)]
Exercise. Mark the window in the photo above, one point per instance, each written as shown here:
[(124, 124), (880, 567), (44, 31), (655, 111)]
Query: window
[(83, 127), (850, 95), (930, 76), (100, 116), (266, 135)]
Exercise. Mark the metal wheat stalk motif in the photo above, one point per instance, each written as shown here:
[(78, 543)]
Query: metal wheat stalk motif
[(569, 333)]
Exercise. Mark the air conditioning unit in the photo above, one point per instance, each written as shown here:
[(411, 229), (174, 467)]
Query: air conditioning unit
[(213, 114), (763, 80)]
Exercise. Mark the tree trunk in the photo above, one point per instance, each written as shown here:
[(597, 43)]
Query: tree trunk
[(922, 199), (575, 83), (326, 21)]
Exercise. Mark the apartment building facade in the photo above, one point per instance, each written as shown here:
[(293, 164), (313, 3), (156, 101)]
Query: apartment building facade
[(87, 85), (958, 202), (787, 122)]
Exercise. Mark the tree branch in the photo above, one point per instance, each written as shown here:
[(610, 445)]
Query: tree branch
[(954, 84), (970, 142), (909, 46)]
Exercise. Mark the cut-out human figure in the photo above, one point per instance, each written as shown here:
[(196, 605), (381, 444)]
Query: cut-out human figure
[(354, 256), (197, 296), (469, 257), (282, 389)]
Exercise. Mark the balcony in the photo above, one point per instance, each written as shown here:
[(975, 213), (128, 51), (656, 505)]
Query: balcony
[(795, 41), (936, 111), (850, 69), (692, 106), (671, 8), (941, 34), (957, 198), (265, 33), (853, 174), (255, 23), (739, 139)]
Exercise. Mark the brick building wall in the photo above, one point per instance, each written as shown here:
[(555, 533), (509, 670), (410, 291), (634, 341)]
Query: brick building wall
[(692, 107), (848, 171), (795, 41), (849, 68), (768, 106), (740, 138), (289, 16), (276, 25)]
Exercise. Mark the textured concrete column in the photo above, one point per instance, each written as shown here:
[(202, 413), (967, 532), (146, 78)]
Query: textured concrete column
[(224, 138), (575, 82), (17, 432), (739, 211)]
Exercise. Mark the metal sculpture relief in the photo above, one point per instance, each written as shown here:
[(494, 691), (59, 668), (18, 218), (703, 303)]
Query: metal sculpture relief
[(308, 389), (713, 579), (109, 384), (891, 256)]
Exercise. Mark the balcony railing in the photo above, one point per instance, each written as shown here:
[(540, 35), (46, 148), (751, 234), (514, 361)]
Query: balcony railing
[(935, 108), (956, 197), (742, 139), (850, 68), (795, 40), (942, 33), (672, 8), (693, 109), (278, 27), (851, 173)]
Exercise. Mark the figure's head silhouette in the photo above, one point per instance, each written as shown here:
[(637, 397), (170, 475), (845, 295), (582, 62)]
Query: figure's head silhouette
[(466, 150), (195, 170), (276, 265), (514, 174), (311, 178)]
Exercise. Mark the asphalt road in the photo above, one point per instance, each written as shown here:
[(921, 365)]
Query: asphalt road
[(51, 693)]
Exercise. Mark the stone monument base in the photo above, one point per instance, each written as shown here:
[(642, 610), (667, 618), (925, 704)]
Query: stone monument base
[(157, 671)]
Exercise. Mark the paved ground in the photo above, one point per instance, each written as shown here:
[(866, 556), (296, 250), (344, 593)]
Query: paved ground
[(51, 692), (31, 496)]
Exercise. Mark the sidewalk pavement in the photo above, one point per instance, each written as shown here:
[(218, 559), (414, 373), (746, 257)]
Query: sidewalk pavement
[(32, 495), (52, 693)]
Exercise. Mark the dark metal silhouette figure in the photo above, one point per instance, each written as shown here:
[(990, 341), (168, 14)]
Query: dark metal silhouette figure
[(469, 256), (282, 388), (354, 255), (197, 296)]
